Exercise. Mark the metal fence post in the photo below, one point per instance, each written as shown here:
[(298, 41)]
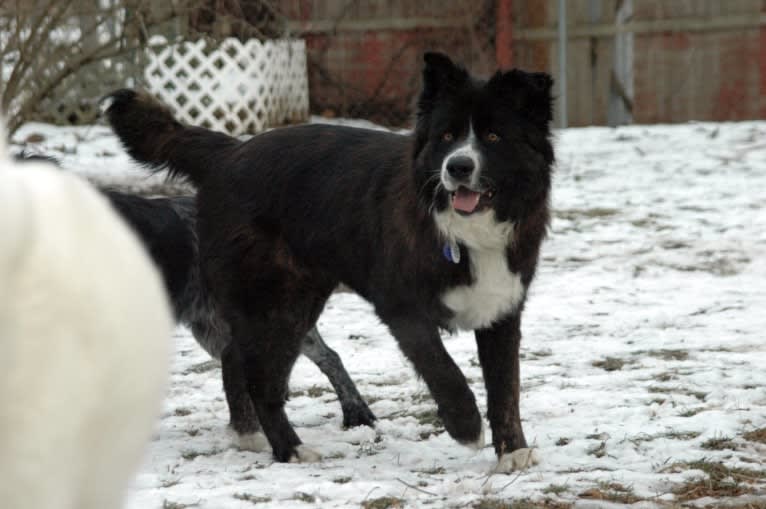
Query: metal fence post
[(562, 51), (621, 78)]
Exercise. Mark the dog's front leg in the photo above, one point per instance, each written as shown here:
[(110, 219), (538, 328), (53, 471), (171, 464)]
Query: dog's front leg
[(499, 357), (421, 343)]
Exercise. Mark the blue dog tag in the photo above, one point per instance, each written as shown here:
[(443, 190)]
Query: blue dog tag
[(451, 251)]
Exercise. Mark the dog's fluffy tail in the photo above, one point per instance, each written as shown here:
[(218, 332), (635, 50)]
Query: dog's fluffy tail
[(153, 137)]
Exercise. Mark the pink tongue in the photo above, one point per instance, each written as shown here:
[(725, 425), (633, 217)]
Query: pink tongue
[(465, 199)]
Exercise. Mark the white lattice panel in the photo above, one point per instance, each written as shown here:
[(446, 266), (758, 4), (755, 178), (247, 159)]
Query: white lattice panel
[(233, 87)]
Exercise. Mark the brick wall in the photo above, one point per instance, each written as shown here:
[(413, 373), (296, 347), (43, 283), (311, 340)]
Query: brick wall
[(365, 55), (716, 74), (762, 65), (700, 60)]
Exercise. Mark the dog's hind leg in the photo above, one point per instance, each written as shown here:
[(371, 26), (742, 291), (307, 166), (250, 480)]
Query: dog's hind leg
[(268, 348), (270, 301), (243, 419), (267, 337), (355, 410)]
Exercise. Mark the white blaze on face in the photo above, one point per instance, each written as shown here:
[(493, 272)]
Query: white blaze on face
[(468, 148)]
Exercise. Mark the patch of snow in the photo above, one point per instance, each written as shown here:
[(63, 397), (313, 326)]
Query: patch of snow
[(655, 269), (520, 459)]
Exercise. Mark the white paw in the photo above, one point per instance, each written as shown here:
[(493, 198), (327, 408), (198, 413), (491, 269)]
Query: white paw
[(105, 104), (519, 459), (256, 442), (479, 443), (305, 454)]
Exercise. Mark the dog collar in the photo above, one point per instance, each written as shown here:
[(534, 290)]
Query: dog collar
[(451, 251)]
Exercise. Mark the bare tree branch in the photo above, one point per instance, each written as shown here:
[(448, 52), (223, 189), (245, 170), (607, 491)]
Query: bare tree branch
[(109, 50), (29, 48), (40, 51)]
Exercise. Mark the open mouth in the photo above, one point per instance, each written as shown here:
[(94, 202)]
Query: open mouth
[(467, 201)]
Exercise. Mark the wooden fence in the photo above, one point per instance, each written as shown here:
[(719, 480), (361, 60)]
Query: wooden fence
[(686, 60), (642, 61)]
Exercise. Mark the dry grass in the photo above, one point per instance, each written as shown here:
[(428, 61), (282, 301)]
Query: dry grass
[(691, 412), (203, 367), (669, 354), (751, 504), (598, 450), (756, 435), (167, 504), (555, 489), (539, 354), (576, 214), (304, 497), (665, 376), (718, 444), (190, 455), (611, 492), (491, 503), (315, 391), (433, 471), (383, 503), (700, 488), (678, 390), (610, 364), (672, 435), (720, 481), (247, 497)]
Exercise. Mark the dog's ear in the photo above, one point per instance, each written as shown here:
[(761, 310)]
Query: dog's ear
[(528, 92), (440, 78), (438, 68), (440, 75)]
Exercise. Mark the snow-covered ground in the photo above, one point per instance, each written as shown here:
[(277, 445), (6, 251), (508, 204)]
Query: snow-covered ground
[(644, 369)]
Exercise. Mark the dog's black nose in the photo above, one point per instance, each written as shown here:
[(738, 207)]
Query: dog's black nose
[(460, 167)]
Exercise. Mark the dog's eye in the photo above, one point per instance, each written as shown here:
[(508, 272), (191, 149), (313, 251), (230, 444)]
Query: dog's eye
[(447, 137), (493, 138)]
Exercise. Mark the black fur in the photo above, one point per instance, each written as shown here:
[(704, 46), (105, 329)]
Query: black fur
[(167, 227), (170, 239), (287, 215)]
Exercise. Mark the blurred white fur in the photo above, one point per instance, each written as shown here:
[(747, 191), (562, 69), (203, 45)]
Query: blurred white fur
[(84, 343)]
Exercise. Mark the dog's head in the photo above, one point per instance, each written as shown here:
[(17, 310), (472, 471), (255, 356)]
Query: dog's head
[(482, 147)]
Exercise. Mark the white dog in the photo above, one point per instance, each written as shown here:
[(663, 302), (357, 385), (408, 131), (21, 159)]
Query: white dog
[(85, 328)]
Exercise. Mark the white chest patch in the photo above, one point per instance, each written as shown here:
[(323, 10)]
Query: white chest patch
[(495, 291)]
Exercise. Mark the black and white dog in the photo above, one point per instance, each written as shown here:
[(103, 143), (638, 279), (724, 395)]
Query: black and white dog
[(438, 229)]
